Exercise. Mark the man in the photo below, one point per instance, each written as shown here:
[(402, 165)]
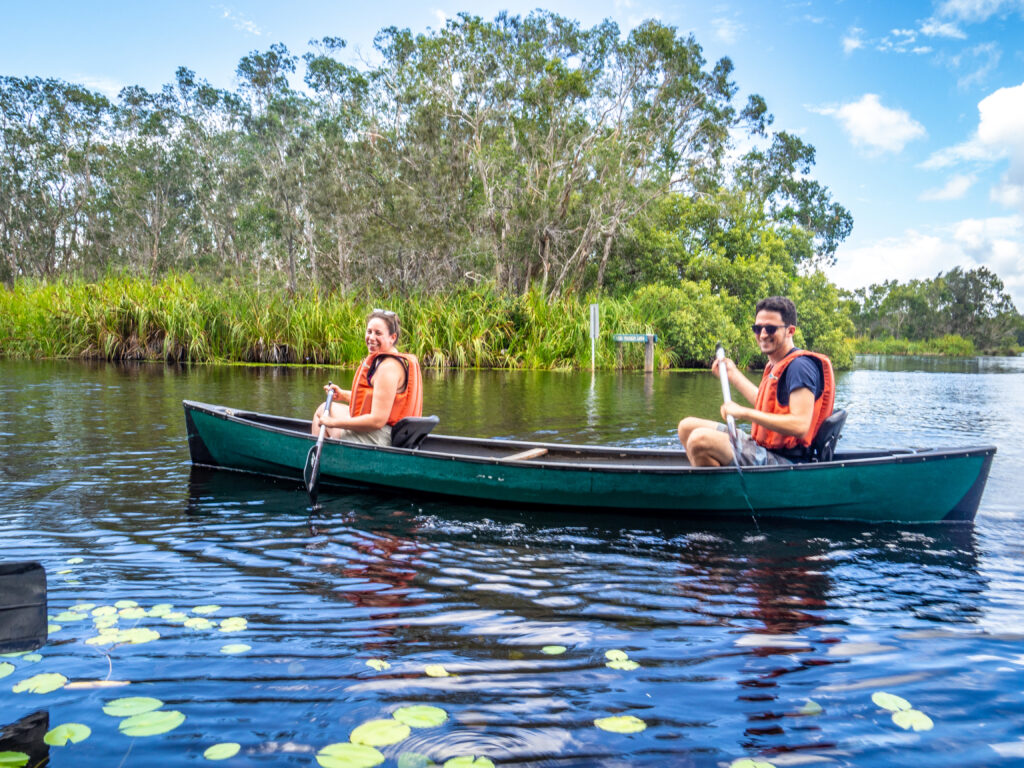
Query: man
[(796, 395)]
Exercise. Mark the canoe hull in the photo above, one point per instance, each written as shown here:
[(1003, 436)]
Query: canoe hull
[(912, 487)]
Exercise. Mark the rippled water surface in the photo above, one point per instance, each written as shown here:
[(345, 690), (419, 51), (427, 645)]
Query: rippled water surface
[(752, 639)]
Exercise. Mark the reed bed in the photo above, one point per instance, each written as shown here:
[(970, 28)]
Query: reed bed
[(179, 320)]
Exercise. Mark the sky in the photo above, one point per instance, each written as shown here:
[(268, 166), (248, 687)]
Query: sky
[(915, 107)]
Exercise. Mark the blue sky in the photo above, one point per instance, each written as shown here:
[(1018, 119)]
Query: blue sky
[(916, 107)]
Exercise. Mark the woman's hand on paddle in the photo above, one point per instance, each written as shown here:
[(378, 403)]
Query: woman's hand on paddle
[(340, 395)]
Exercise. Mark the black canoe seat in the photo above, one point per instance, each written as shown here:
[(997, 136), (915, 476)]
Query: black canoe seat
[(411, 431), (824, 445)]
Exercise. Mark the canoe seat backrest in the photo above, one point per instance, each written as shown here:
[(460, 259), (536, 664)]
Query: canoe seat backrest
[(824, 445), (411, 431)]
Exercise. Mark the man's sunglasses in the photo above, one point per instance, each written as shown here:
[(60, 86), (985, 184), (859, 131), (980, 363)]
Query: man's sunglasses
[(757, 328)]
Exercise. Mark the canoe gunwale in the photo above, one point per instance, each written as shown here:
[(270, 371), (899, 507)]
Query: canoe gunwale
[(297, 428)]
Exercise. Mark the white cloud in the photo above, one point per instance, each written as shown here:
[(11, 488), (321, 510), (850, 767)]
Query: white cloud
[(442, 18), (982, 58), (978, 10), (935, 28), (853, 40), (105, 85), (875, 127), (240, 22), (727, 30), (996, 243), (1000, 135), (955, 188)]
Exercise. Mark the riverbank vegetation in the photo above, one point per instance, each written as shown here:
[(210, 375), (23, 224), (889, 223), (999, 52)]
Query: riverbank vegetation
[(488, 180)]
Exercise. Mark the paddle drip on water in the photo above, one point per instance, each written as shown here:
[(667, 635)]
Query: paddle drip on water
[(723, 377)]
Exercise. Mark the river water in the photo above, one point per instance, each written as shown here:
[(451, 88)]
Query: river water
[(752, 640)]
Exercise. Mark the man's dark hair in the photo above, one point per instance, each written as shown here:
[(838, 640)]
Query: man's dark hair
[(779, 304)]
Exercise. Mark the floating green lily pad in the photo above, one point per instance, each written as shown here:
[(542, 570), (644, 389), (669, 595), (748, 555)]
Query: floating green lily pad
[(626, 664), (233, 624), (62, 734), (222, 751), (379, 733), (6, 668), (33, 657), (132, 613), (175, 616), (104, 621), (349, 756), (436, 670), (160, 609), (621, 724), (890, 701), (414, 760), (379, 664), (616, 655), (553, 650), (13, 759), (126, 604), (205, 610), (746, 762), (420, 716), (811, 708), (912, 719), (152, 723), (44, 683), (75, 560), (468, 762), (232, 648), (131, 705), (198, 622), (82, 607), (64, 571), (104, 638), (104, 610), (51, 628), (70, 616), (138, 636)]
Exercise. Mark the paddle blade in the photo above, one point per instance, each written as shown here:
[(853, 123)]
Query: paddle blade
[(311, 472), (23, 624)]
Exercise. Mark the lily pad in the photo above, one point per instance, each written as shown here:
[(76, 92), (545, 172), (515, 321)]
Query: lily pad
[(82, 607), (616, 655), (913, 719), (746, 762), (468, 762), (126, 604), (175, 616), (233, 624), (553, 650), (414, 760), (33, 657), (379, 664), (132, 613), (379, 733), (44, 683), (890, 701), (420, 716), (232, 648), (70, 616), (104, 610), (811, 708), (222, 751), (6, 668), (152, 723), (138, 636), (104, 621), (75, 560), (51, 628), (205, 610), (13, 759), (626, 664), (349, 756), (63, 571), (160, 609), (436, 670), (621, 724), (62, 734), (198, 622), (104, 638), (131, 705)]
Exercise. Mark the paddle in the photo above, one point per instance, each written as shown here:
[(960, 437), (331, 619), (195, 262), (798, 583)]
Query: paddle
[(311, 472), (23, 623), (723, 376)]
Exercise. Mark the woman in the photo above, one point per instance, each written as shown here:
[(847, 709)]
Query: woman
[(386, 388)]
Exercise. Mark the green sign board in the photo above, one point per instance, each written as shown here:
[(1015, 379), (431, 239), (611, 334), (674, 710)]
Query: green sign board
[(632, 337)]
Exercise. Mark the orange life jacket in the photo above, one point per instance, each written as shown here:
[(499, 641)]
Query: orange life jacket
[(768, 401), (408, 402)]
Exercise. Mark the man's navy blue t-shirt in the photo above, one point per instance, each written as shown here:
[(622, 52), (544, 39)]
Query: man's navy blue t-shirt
[(804, 371)]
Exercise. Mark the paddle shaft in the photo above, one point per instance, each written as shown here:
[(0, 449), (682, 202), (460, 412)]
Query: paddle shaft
[(314, 477), (723, 376)]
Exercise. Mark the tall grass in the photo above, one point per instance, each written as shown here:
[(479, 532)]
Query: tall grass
[(179, 320)]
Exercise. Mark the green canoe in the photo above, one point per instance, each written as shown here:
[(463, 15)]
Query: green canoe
[(908, 486)]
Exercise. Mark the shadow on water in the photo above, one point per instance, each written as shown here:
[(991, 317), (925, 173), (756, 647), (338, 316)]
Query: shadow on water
[(26, 736)]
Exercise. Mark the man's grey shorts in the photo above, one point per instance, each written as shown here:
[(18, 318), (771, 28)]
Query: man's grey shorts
[(752, 454)]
